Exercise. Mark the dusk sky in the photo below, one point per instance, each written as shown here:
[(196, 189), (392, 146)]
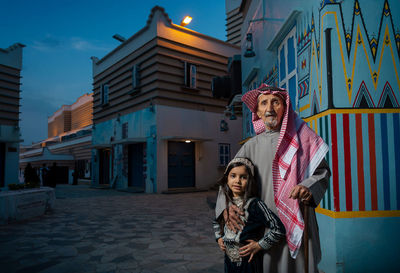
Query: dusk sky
[(61, 35)]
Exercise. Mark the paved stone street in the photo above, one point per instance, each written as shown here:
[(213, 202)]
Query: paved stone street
[(92, 230)]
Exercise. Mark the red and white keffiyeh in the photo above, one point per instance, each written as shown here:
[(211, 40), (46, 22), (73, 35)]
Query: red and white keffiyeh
[(299, 152)]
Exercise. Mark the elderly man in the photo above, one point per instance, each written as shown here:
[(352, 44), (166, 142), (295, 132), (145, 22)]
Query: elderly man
[(292, 174)]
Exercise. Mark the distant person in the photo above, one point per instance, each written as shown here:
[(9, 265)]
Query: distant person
[(244, 249), (30, 175), (75, 176), (44, 172), (53, 175)]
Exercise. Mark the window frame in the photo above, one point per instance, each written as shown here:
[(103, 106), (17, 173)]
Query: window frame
[(124, 130), (135, 77), (104, 96), (284, 82), (190, 75), (225, 155)]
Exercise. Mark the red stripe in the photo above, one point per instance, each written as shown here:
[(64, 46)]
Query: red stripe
[(347, 162), (372, 161), (360, 163), (335, 174)]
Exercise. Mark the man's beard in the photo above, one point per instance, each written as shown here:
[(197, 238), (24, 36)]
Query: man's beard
[(271, 121)]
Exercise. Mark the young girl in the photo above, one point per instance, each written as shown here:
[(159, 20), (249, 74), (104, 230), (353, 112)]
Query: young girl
[(242, 249)]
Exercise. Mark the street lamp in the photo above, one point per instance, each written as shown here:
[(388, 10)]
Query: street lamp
[(186, 21)]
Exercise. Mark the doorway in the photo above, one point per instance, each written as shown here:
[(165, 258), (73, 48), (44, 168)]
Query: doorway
[(181, 165), (104, 166), (136, 159), (2, 163)]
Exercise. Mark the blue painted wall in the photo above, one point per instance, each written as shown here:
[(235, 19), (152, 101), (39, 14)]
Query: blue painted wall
[(371, 249), (356, 218), (10, 135), (141, 129)]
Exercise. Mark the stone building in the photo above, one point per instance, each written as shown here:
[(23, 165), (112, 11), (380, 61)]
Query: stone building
[(68, 143), (10, 83), (156, 125)]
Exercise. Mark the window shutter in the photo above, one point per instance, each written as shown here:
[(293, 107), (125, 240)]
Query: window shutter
[(135, 76), (193, 74)]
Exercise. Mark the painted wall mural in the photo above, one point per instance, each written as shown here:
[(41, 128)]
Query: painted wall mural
[(365, 64), (363, 157)]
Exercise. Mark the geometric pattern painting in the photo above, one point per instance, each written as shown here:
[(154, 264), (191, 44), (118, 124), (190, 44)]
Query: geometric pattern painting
[(364, 155), (363, 98), (388, 98), (303, 61)]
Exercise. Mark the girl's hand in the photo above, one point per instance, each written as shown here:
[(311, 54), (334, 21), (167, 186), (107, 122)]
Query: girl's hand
[(250, 249), (221, 244)]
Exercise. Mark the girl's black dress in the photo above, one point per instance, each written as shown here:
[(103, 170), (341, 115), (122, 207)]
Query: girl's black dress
[(257, 217)]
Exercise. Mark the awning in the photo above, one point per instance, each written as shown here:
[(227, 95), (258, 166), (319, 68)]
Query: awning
[(48, 156), (129, 140), (183, 138), (100, 146)]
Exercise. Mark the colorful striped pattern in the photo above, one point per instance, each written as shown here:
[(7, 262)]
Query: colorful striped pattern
[(364, 158)]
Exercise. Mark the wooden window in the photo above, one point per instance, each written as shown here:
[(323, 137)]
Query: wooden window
[(190, 75), (224, 153), (125, 130), (135, 77), (104, 94)]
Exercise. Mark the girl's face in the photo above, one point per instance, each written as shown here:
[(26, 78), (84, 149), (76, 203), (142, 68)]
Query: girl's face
[(237, 180)]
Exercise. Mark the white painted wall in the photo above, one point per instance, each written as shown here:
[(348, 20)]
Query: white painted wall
[(195, 124)]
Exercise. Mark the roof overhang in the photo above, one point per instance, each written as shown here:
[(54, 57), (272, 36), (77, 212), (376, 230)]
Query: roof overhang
[(100, 146), (47, 157)]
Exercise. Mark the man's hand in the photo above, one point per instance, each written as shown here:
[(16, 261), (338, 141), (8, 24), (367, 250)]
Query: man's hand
[(234, 220), (221, 244), (302, 193), (250, 249)]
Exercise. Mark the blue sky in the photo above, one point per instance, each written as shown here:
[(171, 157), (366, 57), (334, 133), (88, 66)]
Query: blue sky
[(61, 36)]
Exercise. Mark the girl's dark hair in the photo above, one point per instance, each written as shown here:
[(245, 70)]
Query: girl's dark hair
[(250, 191)]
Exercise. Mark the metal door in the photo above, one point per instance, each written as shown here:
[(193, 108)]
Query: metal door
[(135, 165), (2, 163), (181, 167), (104, 167)]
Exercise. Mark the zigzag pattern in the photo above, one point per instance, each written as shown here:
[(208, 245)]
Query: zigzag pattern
[(356, 32), (303, 87)]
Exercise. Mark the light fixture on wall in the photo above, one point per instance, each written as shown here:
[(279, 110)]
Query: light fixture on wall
[(223, 126), (187, 141), (249, 46), (233, 116), (151, 106)]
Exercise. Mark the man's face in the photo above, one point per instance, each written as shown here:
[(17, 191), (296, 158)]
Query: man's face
[(270, 109)]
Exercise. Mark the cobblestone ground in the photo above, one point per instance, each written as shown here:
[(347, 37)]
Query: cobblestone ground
[(92, 230)]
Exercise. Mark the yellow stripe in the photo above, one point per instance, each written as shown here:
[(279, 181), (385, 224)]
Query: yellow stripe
[(353, 65), (244, 140), (358, 214), (304, 107), (352, 111), (394, 62)]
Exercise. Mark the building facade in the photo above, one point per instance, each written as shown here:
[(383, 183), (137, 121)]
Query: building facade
[(10, 82), (68, 143), (156, 125), (340, 62)]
